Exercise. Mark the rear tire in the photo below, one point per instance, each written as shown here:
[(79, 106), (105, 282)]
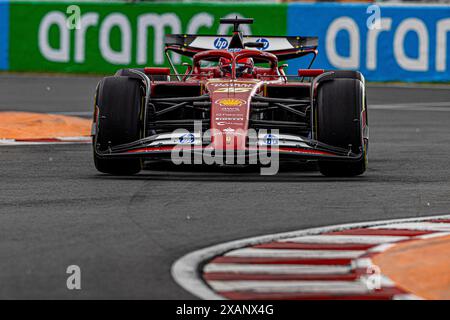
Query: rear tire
[(119, 101), (340, 103)]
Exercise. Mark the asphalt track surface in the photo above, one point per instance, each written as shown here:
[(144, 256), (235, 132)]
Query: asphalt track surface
[(126, 232)]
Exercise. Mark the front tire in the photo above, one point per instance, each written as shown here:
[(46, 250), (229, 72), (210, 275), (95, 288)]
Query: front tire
[(340, 105), (120, 102)]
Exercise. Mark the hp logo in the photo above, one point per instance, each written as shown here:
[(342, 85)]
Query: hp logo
[(263, 41), (221, 43), (270, 139), (187, 138)]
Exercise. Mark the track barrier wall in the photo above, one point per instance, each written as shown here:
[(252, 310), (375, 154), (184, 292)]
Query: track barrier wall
[(387, 42)]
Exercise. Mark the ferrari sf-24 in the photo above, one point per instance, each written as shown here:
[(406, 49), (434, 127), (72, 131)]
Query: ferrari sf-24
[(234, 97)]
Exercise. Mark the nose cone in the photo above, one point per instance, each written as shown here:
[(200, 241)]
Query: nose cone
[(230, 110)]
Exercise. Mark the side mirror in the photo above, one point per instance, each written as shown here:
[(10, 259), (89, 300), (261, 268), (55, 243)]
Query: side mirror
[(156, 71)]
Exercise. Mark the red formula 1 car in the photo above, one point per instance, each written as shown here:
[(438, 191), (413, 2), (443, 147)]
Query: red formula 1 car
[(234, 98)]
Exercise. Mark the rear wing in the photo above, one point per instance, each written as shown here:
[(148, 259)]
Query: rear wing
[(283, 47)]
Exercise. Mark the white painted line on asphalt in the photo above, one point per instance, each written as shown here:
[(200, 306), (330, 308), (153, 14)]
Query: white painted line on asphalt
[(186, 273), (45, 141), (88, 139), (294, 253), (348, 287), (344, 239), (420, 226), (74, 113), (276, 268), (424, 106), (408, 85), (32, 143)]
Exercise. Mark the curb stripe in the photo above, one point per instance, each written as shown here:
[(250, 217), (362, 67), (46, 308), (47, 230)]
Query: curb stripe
[(384, 294), (440, 221), (241, 277), (236, 276), (426, 226), (312, 246), (293, 253), (253, 260), (338, 239), (382, 231), (344, 287), (276, 269)]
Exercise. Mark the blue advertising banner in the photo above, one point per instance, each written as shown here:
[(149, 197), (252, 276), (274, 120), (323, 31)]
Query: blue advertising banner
[(386, 43), (4, 34)]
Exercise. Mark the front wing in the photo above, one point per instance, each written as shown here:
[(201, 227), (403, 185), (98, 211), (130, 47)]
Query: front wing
[(163, 146)]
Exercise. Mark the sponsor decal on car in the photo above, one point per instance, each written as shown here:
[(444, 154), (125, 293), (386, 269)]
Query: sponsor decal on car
[(265, 42), (221, 43), (233, 84), (230, 102), (270, 139), (229, 109), (229, 119), (224, 147), (187, 138), (232, 89)]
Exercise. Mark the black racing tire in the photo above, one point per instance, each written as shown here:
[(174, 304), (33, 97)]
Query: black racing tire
[(340, 103), (119, 101)]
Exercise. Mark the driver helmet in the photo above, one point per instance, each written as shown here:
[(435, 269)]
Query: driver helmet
[(243, 66), (225, 65)]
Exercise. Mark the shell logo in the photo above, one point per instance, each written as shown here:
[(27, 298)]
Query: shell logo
[(230, 102)]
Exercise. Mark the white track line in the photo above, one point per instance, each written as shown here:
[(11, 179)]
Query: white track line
[(186, 273), (420, 226), (346, 239), (424, 106), (408, 85), (276, 268), (60, 140), (87, 139), (75, 113), (294, 253)]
